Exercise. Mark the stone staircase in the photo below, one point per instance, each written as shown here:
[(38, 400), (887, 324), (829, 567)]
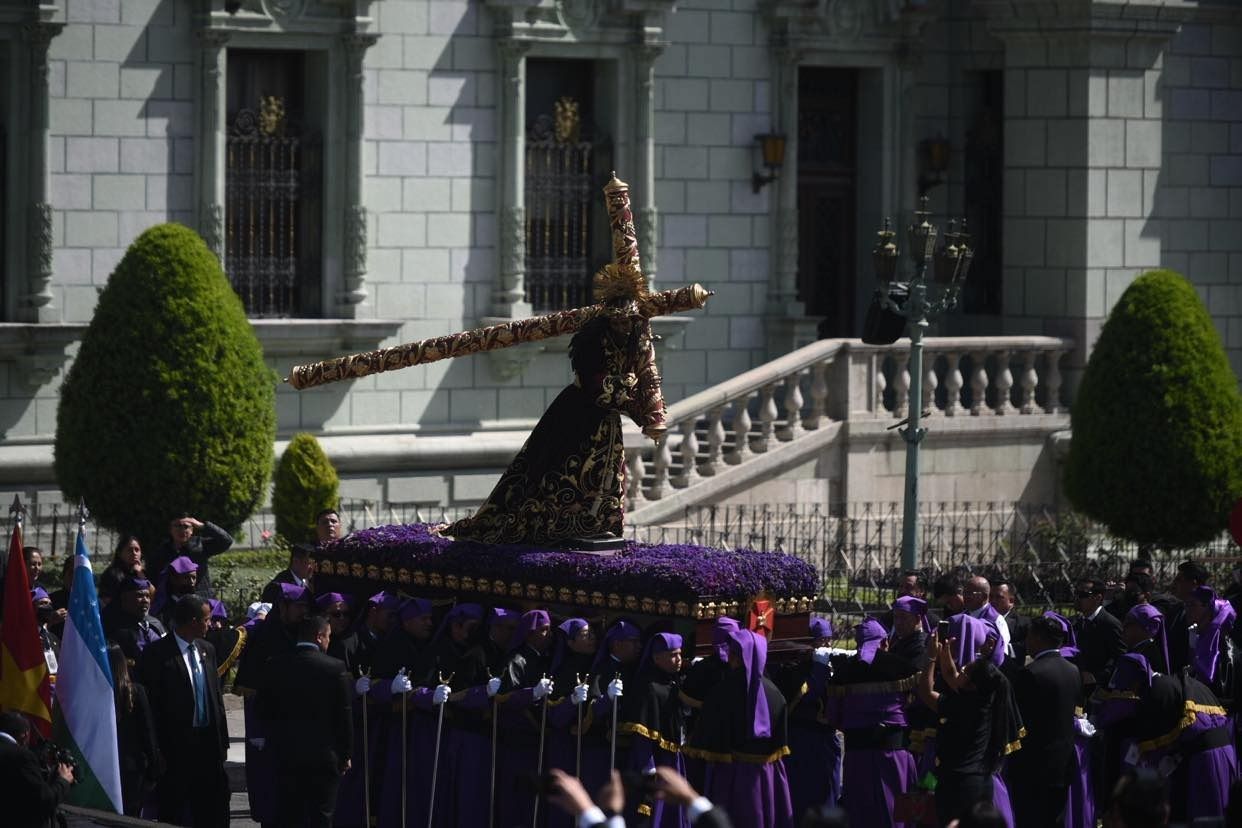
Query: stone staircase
[(789, 411)]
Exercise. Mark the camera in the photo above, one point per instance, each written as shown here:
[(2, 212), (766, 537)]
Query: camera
[(942, 630), (51, 756)]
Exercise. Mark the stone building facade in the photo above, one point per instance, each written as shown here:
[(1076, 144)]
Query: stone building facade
[(1084, 140)]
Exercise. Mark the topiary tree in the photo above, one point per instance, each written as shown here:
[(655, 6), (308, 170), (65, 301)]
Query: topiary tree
[(169, 405), (306, 484), (1157, 448)]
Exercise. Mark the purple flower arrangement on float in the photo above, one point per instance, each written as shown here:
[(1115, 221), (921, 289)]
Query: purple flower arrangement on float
[(667, 571)]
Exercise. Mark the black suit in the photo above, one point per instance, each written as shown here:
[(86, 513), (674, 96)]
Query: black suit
[(210, 541), (28, 801), (193, 789), (1047, 691), (271, 592), (1099, 645), (305, 700)]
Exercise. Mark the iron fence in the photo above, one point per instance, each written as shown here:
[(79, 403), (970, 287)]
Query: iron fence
[(1041, 550)]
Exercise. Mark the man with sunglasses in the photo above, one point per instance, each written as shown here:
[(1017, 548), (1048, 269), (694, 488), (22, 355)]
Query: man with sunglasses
[(1099, 635)]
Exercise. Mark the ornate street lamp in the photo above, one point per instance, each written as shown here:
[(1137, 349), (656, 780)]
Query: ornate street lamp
[(929, 297)]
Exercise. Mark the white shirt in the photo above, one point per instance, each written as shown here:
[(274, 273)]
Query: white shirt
[(186, 650), (1001, 627), (1098, 610)]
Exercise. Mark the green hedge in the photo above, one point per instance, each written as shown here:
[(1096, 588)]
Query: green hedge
[(168, 406), (1157, 449), (306, 484)]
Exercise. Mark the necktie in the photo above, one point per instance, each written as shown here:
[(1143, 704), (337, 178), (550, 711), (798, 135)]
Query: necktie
[(200, 688)]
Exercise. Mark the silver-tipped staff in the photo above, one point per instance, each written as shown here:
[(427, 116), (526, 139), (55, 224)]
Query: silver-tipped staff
[(491, 799), (366, 758), (578, 751), (435, 763), (615, 704), (543, 729), (405, 783)]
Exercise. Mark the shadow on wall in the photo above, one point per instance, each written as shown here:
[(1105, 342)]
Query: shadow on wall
[(1191, 221)]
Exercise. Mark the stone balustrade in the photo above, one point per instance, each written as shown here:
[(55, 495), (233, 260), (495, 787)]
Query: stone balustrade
[(804, 398)]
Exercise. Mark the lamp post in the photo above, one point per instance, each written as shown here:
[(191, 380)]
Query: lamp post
[(924, 303)]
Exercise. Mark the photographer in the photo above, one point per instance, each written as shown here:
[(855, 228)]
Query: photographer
[(30, 798)]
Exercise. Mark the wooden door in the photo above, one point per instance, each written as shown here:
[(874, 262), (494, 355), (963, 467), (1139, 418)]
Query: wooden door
[(827, 198)]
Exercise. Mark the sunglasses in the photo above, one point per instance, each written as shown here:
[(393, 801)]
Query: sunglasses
[(336, 614), (1086, 593)]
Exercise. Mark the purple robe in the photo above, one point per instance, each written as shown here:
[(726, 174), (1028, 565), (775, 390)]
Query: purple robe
[(815, 747), (868, 703), (1080, 798)]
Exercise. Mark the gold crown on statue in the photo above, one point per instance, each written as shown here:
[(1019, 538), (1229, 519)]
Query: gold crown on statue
[(617, 282)]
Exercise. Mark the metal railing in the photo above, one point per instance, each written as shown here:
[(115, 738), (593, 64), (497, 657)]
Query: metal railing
[(856, 547)]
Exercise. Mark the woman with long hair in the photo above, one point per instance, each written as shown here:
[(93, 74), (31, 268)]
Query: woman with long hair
[(127, 557), (135, 735)]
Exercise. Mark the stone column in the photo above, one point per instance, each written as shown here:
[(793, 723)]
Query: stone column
[(354, 292), (213, 103), (783, 289), (509, 300), (647, 214), (1082, 156), (787, 324), (36, 305)]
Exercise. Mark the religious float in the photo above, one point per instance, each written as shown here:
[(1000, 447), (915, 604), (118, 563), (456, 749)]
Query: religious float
[(549, 535)]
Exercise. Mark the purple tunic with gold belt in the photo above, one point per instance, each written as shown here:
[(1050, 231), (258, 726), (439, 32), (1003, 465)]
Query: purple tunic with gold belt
[(867, 700), (741, 736)]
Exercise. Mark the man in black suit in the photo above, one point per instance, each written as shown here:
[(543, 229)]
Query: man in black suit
[(1003, 598), (298, 573), (1047, 691), (28, 799), (305, 702), (1099, 636), (179, 672)]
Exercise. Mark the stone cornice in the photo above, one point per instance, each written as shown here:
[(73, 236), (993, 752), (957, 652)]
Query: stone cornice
[(322, 338), (38, 351), (1156, 19), (581, 21), (798, 25)]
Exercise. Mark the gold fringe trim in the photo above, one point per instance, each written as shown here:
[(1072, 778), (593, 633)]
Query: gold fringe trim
[(644, 810), (802, 691), (636, 729), (873, 687), (749, 758), (228, 663), (1189, 711), (1114, 695)]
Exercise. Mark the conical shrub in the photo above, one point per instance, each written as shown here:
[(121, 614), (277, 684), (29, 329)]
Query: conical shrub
[(168, 406), (306, 484), (1157, 448)]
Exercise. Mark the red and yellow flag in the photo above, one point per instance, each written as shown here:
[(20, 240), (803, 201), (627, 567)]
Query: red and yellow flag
[(24, 682)]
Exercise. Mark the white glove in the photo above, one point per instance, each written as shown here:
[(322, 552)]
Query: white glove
[(362, 686), (615, 689), (401, 684), (258, 742), (493, 686), (580, 694), (822, 655), (1083, 726), (543, 688)]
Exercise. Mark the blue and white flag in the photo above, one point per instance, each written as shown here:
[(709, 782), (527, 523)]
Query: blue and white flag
[(84, 691)]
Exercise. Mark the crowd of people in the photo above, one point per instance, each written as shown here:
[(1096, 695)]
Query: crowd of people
[(951, 708)]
